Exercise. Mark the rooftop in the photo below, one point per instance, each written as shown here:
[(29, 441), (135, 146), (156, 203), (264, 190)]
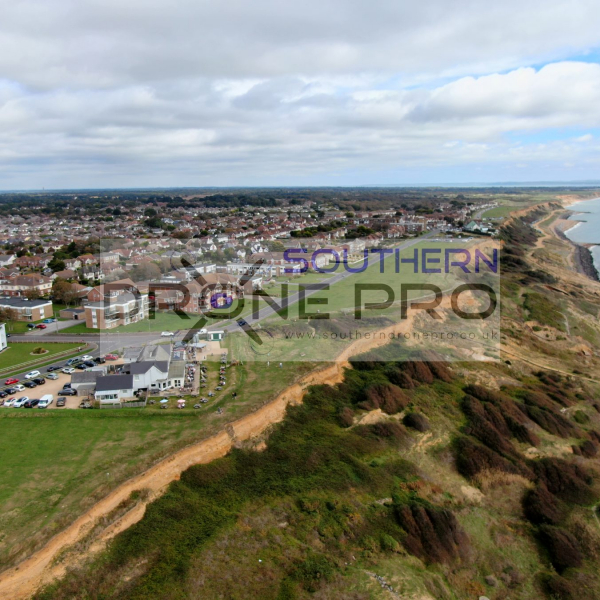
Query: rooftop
[(111, 383), (23, 302)]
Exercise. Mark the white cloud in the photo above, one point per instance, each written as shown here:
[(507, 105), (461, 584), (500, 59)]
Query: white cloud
[(198, 92)]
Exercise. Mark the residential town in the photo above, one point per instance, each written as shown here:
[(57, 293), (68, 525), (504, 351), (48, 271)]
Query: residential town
[(98, 262)]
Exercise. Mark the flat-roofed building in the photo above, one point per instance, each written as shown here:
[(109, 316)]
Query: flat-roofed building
[(27, 310)]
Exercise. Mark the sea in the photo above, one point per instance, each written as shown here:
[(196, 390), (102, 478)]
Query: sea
[(587, 231)]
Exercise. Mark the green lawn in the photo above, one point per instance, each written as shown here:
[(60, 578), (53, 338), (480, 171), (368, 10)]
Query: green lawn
[(162, 321), (20, 352), (18, 326), (500, 211), (75, 457)]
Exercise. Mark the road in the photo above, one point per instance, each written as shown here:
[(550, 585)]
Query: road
[(269, 311)]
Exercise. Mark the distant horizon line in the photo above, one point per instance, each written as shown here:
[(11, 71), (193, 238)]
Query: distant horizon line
[(474, 185)]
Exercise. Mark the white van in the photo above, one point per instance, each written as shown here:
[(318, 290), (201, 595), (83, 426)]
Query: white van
[(46, 400)]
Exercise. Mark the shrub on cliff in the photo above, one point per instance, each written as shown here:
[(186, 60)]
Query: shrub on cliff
[(432, 533), (386, 396), (567, 481), (541, 507), (416, 421), (562, 547), (472, 457)]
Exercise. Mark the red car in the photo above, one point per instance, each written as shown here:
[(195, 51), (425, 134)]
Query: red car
[(40, 326), (11, 380), (111, 357)]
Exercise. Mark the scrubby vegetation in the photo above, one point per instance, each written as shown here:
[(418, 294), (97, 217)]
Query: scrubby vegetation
[(349, 483)]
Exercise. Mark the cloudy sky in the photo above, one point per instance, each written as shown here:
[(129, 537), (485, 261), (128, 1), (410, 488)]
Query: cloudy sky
[(103, 93)]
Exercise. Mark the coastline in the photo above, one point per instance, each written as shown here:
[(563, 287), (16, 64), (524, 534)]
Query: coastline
[(584, 262), (583, 259)]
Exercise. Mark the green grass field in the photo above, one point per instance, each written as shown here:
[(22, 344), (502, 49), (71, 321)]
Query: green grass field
[(500, 211), (57, 463), (20, 352)]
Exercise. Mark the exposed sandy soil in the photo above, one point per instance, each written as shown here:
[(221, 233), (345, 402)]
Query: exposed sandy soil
[(40, 569)]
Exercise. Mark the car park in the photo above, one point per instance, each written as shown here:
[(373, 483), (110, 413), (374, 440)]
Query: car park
[(68, 370), (11, 380), (61, 401), (30, 384), (32, 375), (32, 403), (51, 376), (68, 392), (41, 326)]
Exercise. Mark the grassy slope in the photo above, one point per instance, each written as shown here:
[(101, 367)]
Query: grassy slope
[(312, 517)]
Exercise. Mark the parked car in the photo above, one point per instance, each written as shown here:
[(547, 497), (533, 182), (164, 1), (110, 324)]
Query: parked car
[(68, 370), (68, 392), (31, 325), (10, 391), (46, 400), (81, 366), (39, 381), (72, 361), (61, 401), (89, 363), (48, 320), (32, 375), (111, 357), (19, 387), (41, 326), (167, 334), (9, 402), (99, 360), (85, 405), (30, 384), (11, 380), (31, 403), (52, 376), (86, 357), (3, 393), (53, 368), (20, 402)]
